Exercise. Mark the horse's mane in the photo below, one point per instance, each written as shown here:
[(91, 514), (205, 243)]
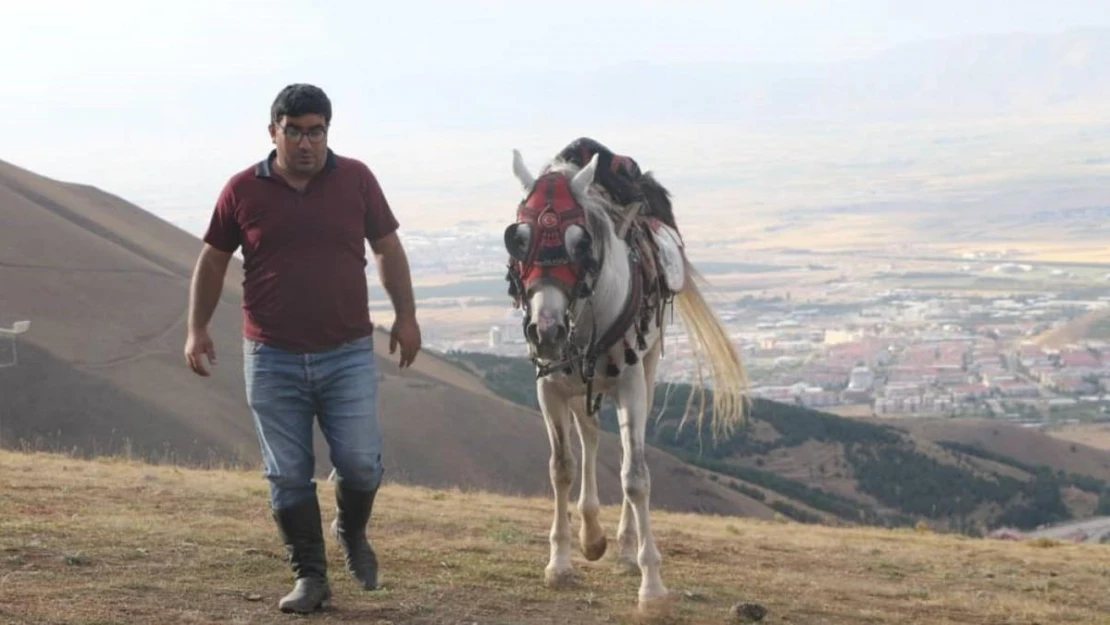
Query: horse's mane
[(599, 209), (658, 199)]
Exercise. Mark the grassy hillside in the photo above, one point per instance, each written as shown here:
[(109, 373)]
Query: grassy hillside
[(1032, 447), (1090, 326), (112, 541), (820, 467)]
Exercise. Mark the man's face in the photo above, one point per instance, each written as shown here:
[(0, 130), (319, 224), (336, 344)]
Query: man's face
[(301, 142)]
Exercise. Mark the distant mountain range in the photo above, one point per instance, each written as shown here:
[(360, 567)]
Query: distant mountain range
[(936, 140), (989, 75)]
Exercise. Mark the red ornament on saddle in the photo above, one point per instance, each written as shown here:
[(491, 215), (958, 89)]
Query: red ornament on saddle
[(548, 210)]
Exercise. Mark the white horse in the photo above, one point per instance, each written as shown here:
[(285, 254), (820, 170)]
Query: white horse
[(594, 324)]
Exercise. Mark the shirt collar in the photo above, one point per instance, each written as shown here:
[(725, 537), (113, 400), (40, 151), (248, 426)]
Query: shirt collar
[(264, 170)]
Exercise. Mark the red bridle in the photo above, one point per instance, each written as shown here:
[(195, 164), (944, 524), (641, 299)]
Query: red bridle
[(549, 210)]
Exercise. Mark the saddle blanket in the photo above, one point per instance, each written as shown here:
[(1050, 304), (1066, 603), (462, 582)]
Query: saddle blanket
[(672, 261)]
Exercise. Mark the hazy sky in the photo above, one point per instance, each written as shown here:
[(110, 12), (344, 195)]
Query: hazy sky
[(160, 102)]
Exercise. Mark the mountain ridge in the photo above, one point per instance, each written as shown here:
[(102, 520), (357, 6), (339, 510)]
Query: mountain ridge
[(823, 468)]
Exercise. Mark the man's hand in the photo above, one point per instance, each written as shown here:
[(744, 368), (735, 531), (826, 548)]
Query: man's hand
[(406, 333), (198, 344)]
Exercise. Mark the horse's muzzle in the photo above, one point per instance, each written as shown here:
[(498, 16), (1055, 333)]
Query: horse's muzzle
[(547, 335)]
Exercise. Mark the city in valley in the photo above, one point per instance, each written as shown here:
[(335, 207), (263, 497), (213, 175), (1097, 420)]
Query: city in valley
[(915, 333)]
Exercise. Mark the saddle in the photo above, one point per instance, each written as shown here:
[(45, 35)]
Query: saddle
[(660, 246), (661, 262)]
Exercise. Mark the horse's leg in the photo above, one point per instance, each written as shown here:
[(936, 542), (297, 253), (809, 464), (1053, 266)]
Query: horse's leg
[(560, 570), (626, 530), (626, 536), (590, 535), (632, 411)]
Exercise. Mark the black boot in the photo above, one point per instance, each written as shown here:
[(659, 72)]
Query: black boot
[(353, 510), (300, 530)]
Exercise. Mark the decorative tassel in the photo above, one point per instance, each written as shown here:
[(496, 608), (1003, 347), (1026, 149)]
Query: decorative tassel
[(630, 357)]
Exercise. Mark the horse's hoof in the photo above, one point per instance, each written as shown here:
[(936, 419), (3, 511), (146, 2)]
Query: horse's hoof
[(655, 603), (557, 579), (595, 551)]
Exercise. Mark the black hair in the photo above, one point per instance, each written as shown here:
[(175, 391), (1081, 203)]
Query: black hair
[(301, 99)]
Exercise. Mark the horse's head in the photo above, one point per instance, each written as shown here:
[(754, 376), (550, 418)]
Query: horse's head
[(553, 260)]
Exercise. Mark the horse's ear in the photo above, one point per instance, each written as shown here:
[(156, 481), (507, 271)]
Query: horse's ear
[(577, 242), (585, 177), (520, 170), (517, 237)]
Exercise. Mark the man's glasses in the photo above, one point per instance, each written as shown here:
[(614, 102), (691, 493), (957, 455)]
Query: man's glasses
[(315, 134)]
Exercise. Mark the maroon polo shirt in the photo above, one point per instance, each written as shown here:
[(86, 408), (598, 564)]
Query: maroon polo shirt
[(304, 253)]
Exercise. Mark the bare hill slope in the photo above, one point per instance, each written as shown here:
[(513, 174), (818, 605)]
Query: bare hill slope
[(105, 285)]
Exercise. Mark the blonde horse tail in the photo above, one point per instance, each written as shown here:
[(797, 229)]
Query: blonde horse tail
[(710, 342)]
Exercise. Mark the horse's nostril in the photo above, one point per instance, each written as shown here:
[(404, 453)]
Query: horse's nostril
[(531, 333), (560, 333)]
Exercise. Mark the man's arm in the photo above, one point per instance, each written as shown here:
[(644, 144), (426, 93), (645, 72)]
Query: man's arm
[(204, 294), (220, 241), (207, 285), (393, 268), (393, 271)]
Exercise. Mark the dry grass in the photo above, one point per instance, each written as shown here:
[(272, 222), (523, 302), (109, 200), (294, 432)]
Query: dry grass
[(108, 541)]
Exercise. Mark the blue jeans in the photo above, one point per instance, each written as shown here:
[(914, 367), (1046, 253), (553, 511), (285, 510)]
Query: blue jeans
[(287, 391)]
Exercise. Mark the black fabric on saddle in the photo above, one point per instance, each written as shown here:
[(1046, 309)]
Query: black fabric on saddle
[(617, 174), (621, 176)]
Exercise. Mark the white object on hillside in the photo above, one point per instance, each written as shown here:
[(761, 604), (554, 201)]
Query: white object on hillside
[(19, 327)]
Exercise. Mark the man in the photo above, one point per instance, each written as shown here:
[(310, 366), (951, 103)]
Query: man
[(302, 216)]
